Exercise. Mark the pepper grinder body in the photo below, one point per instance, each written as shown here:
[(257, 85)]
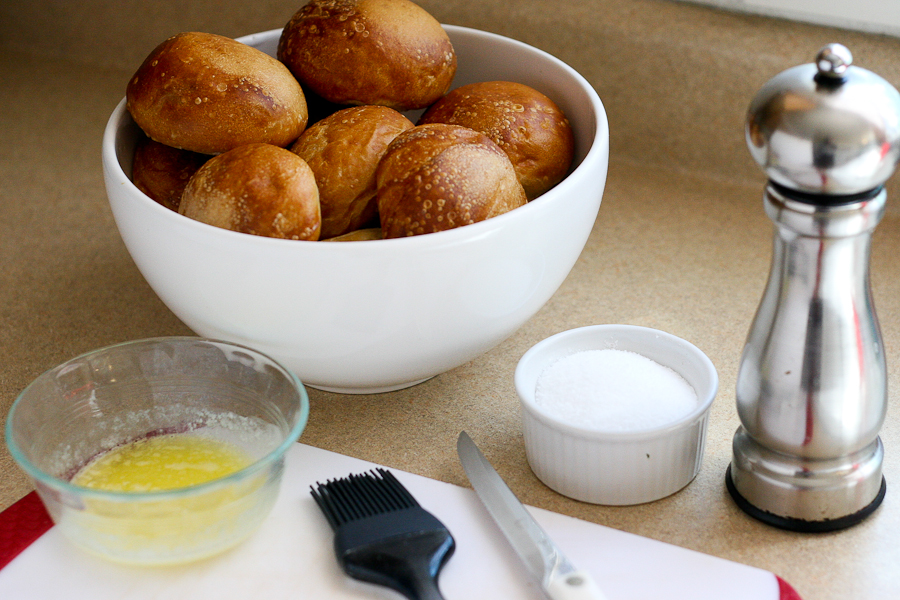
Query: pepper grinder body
[(812, 384)]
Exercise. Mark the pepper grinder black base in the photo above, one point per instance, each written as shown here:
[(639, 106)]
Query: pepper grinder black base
[(802, 525)]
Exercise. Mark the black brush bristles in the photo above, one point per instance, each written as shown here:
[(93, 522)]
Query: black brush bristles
[(360, 496), (382, 535)]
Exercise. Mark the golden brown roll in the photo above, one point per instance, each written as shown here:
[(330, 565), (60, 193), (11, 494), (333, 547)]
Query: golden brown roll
[(259, 189), (343, 150), (360, 235), (436, 177), (162, 172), (209, 94), (387, 52), (525, 123)]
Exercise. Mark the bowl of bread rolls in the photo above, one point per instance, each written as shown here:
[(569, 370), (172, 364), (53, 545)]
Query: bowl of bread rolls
[(367, 195)]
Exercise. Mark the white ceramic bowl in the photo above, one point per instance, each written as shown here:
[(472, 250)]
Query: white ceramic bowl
[(374, 316), (616, 468)]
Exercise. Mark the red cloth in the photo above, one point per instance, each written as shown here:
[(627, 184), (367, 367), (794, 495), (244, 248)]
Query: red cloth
[(785, 591), (20, 525)]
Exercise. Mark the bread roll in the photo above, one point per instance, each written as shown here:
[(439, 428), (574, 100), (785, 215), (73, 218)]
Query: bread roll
[(525, 123), (259, 189), (360, 235), (162, 172), (343, 150), (387, 52), (436, 177), (209, 94)]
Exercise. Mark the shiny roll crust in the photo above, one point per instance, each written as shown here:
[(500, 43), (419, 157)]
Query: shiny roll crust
[(386, 52), (258, 189), (162, 172), (525, 123), (437, 177), (343, 151), (360, 235), (209, 94)]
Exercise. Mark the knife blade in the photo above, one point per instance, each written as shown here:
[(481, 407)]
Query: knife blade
[(559, 578)]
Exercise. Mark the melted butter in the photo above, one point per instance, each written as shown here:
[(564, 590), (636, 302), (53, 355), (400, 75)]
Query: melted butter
[(162, 462)]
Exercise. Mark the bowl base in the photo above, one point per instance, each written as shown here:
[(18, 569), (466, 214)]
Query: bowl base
[(368, 390)]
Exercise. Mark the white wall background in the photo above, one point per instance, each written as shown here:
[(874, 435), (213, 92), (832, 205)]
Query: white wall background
[(872, 16)]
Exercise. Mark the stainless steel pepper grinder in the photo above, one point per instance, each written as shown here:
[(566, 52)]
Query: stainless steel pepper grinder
[(812, 384)]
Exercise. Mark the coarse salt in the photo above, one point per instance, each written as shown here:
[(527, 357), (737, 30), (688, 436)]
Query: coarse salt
[(614, 391)]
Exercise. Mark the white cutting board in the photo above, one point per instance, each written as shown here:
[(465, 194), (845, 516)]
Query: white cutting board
[(291, 557)]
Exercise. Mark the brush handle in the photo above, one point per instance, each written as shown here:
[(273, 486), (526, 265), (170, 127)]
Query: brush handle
[(407, 562), (422, 581), (404, 569)]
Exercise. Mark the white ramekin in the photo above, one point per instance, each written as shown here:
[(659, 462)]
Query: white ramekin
[(616, 468)]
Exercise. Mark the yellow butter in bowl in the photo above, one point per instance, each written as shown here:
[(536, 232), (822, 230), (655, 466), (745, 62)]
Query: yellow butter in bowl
[(162, 462), (158, 451), (186, 501)]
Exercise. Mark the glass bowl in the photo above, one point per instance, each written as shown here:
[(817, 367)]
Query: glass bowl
[(133, 391)]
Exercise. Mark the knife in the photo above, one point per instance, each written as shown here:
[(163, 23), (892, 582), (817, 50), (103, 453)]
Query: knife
[(559, 578)]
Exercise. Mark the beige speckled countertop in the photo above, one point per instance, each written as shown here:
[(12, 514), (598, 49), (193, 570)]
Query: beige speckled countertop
[(681, 244)]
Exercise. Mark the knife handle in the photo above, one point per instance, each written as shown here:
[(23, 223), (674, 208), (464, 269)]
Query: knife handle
[(578, 585)]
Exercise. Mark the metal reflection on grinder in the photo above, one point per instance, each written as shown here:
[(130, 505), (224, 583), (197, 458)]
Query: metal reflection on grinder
[(812, 384)]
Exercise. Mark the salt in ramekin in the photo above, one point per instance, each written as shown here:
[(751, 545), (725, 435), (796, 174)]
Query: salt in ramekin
[(616, 468)]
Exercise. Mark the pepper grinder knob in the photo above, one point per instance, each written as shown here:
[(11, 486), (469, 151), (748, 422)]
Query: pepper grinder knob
[(833, 60), (827, 127), (811, 390)]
